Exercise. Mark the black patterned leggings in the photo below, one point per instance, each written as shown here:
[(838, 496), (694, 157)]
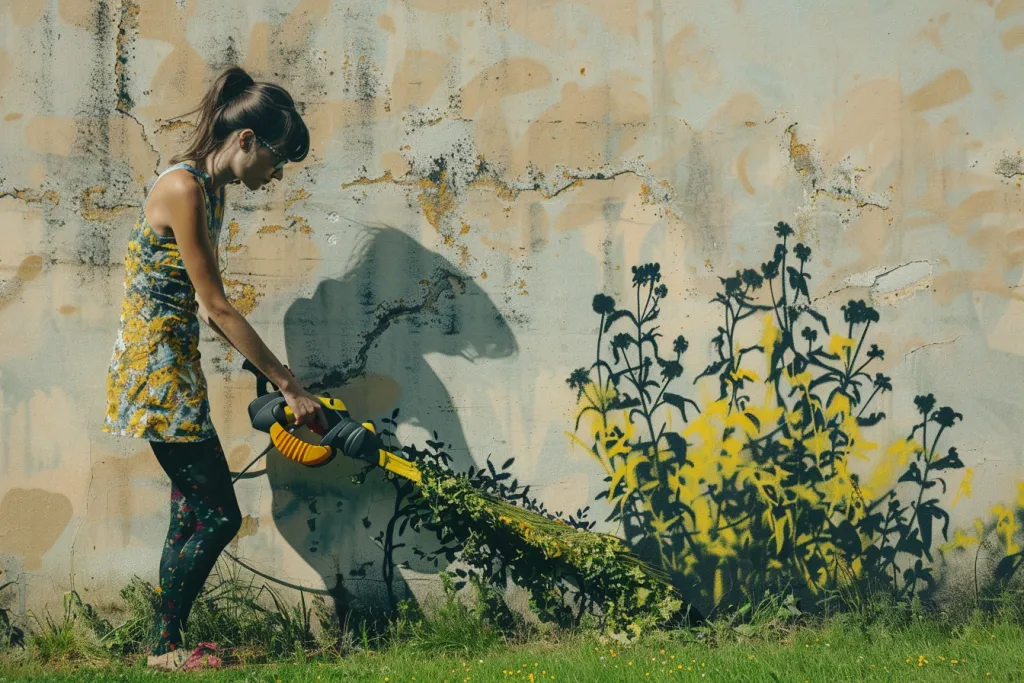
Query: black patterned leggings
[(204, 519)]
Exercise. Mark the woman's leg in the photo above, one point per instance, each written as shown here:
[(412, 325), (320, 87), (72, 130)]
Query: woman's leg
[(204, 519)]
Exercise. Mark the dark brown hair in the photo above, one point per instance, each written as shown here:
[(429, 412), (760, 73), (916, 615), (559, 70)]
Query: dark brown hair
[(234, 102)]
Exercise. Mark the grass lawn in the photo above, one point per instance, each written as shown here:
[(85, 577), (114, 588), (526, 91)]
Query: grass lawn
[(840, 650)]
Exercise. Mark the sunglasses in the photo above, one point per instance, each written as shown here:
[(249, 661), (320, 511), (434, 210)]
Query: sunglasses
[(281, 159)]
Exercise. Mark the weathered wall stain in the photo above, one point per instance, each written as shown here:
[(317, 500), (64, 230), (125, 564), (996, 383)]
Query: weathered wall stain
[(51, 135), (5, 67), (32, 520), (27, 271), (26, 13), (949, 87)]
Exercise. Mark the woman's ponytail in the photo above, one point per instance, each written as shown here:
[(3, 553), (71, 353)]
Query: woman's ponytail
[(232, 83)]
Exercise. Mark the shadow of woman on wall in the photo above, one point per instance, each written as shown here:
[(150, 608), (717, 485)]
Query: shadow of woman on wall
[(365, 337)]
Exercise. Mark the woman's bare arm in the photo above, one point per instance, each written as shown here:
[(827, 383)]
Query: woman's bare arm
[(181, 202)]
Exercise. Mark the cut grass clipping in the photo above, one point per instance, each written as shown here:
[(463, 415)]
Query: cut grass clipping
[(542, 554)]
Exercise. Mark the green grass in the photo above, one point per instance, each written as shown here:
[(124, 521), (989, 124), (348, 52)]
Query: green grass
[(460, 640), (842, 649)]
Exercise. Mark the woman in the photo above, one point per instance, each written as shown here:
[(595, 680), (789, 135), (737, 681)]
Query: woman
[(245, 133)]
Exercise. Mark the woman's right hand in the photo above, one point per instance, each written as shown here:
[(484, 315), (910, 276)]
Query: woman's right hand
[(306, 407)]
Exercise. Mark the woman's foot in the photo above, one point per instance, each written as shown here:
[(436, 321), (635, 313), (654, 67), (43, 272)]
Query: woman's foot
[(202, 658), (168, 661)]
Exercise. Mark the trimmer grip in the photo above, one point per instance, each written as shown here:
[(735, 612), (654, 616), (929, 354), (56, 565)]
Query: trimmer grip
[(332, 403), (294, 448)]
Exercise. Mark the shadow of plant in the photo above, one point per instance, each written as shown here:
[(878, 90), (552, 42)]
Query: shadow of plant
[(753, 492)]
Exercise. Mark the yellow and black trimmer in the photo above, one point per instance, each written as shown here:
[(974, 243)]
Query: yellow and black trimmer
[(530, 542), (270, 413)]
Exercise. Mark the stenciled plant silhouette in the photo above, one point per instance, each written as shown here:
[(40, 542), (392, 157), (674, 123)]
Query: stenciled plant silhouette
[(753, 491)]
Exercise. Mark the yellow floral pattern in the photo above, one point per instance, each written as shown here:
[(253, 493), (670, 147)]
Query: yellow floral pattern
[(156, 389)]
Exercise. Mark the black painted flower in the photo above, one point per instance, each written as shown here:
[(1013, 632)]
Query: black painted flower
[(946, 416), (603, 304), (875, 352), (752, 279), (783, 230), (882, 382), (857, 312), (770, 270), (661, 291), (647, 273), (802, 252), (732, 284), (621, 341), (578, 379), (925, 403), (670, 369), (809, 334), (679, 345)]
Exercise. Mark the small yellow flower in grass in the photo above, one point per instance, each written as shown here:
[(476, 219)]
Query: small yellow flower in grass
[(953, 661), (671, 656), (661, 652), (158, 590)]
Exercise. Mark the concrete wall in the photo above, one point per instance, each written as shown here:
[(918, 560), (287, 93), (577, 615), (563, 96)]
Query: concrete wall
[(479, 170)]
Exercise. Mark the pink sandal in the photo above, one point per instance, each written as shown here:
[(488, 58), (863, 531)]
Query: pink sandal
[(202, 658)]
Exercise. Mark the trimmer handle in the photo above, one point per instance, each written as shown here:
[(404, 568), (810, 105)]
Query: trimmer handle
[(270, 413), (262, 381)]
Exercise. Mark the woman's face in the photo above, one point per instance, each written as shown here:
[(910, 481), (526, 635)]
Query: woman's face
[(260, 164)]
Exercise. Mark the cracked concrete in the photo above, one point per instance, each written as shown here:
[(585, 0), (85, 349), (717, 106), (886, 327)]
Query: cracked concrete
[(841, 183), (929, 345)]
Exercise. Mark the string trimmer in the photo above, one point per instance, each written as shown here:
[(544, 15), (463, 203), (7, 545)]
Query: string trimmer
[(536, 550)]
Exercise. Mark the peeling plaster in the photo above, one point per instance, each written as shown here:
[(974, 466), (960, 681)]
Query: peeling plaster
[(840, 183), (889, 286)]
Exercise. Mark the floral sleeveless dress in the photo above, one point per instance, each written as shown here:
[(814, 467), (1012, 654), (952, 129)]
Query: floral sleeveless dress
[(156, 389)]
